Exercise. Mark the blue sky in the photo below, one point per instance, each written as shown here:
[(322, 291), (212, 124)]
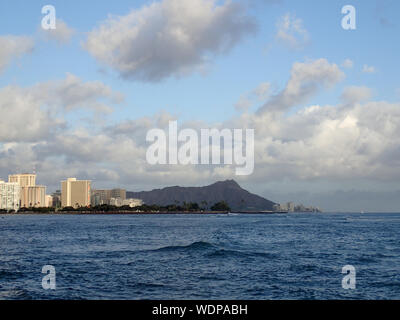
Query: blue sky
[(211, 95), (255, 60)]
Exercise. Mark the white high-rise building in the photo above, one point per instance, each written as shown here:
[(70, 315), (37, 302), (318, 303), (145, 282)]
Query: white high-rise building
[(10, 195), (31, 195)]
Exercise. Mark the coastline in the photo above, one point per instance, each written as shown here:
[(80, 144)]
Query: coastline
[(139, 213)]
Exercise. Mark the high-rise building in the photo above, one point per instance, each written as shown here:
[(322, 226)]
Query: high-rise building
[(31, 194), (24, 180), (56, 199), (100, 197), (75, 193), (9, 195), (33, 197), (118, 194)]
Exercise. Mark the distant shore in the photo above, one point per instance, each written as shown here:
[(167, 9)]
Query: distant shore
[(138, 213)]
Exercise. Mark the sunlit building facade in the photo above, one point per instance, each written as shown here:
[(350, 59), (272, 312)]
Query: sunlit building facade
[(75, 193), (9, 196), (31, 195), (24, 180)]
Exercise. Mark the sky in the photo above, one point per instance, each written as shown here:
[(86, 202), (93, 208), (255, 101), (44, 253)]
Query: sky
[(324, 102)]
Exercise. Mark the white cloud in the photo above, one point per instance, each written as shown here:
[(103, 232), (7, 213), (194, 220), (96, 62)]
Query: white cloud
[(13, 47), (368, 69), (306, 79), (243, 104), (22, 118), (344, 144), (72, 93), (329, 144), (348, 64), (62, 34), (263, 90), (168, 38), (249, 99), (356, 94), (317, 143), (291, 32), (32, 114)]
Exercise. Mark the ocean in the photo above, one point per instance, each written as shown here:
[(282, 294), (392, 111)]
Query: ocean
[(250, 257)]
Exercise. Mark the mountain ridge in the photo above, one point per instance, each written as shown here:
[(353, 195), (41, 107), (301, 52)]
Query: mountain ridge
[(229, 191)]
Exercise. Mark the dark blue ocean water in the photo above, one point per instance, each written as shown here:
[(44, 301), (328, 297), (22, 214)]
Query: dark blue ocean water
[(292, 256)]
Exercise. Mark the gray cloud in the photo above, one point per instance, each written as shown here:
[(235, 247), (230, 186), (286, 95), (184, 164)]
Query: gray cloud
[(72, 93), (13, 47), (34, 113), (62, 34), (330, 146), (316, 144), (22, 118), (306, 79), (168, 38), (291, 32), (356, 94)]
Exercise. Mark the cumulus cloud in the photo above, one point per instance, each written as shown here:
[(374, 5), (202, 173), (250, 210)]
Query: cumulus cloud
[(368, 69), (317, 143), (291, 32), (33, 113), (22, 118), (247, 100), (72, 93), (354, 94), (62, 34), (13, 47), (348, 64), (263, 90), (243, 104), (351, 142), (332, 144), (115, 158), (168, 38), (306, 79)]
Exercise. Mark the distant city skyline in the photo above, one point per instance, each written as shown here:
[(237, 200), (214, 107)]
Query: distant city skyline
[(20, 192), (324, 102)]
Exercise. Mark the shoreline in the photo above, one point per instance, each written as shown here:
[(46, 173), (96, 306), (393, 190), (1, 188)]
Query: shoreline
[(138, 213)]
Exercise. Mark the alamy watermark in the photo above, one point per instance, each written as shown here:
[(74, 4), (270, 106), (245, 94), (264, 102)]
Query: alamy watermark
[(349, 20), (49, 280), (186, 148), (49, 20), (349, 280)]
